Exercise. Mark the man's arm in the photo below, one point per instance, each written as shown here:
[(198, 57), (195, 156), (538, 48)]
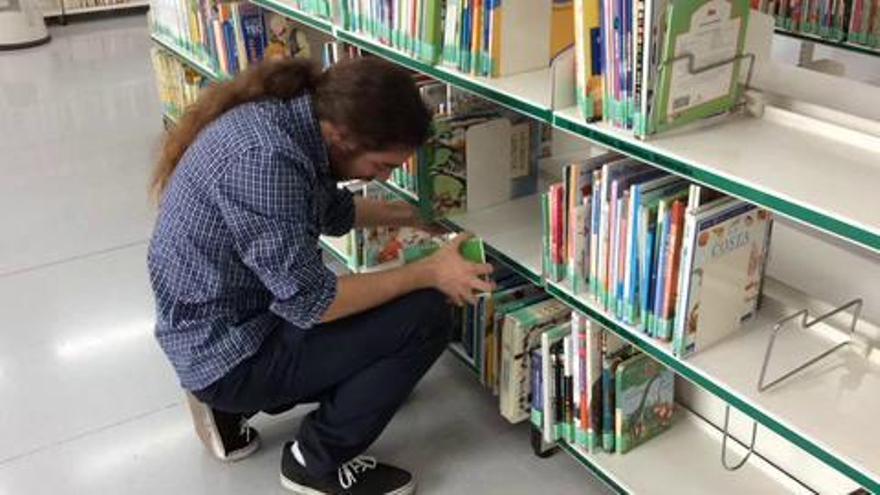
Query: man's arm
[(445, 271)]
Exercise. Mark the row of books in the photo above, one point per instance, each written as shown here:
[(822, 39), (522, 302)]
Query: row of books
[(178, 85), (589, 388), (572, 378), (856, 21), (229, 36), (481, 37), (675, 260)]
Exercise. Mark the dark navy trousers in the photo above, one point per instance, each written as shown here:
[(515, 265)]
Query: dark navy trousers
[(359, 369)]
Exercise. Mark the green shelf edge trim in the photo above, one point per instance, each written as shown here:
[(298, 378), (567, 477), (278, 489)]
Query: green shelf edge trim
[(322, 25), (689, 373), (186, 57), (856, 235), (843, 45), (593, 468)]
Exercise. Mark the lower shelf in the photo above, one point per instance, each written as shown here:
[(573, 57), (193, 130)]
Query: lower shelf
[(99, 8), (684, 460)]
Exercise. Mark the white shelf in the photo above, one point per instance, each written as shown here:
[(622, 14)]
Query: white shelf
[(513, 229), (798, 171), (533, 87), (686, 460), (836, 402), (826, 410), (101, 8)]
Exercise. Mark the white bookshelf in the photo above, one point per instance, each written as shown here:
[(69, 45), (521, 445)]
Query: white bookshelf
[(510, 229), (685, 460), (55, 9), (804, 173), (824, 180)]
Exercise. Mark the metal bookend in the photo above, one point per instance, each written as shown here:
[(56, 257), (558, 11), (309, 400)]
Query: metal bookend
[(742, 461), (804, 324)]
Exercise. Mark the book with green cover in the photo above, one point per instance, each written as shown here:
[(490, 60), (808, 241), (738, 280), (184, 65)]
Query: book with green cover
[(701, 63), (645, 401)]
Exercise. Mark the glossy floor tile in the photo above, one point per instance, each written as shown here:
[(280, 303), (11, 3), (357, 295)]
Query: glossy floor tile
[(80, 124), (88, 403)]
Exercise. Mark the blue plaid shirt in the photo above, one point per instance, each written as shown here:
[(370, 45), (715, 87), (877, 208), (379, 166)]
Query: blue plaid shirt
[(235, 249)]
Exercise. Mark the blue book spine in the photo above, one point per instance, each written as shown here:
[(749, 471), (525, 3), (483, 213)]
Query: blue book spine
[(467, 27), (607, 406), (254, 31), (231, 47), (650, 277), (659, 292), (633, 257)]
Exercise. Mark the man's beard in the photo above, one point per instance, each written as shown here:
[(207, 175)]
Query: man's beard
[(341, 162)]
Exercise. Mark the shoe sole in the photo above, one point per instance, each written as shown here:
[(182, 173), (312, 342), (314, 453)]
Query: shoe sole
[(243, 452), (304, 490)]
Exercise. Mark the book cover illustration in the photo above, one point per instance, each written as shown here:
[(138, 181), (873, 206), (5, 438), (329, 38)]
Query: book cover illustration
[(700, 72), (645, 398), (724, 275)]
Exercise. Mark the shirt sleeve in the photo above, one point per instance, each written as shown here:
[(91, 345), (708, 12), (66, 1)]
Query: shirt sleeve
[(267, 205), (338, 217)]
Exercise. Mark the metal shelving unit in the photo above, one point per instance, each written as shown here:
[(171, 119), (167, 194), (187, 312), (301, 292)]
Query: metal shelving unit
[(798, 186)]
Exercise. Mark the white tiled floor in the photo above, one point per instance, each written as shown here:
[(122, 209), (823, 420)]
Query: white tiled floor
[(87, 402)]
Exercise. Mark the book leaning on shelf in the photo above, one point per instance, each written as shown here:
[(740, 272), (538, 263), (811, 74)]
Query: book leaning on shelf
[(592, 390), (677, 261), (663, 64)]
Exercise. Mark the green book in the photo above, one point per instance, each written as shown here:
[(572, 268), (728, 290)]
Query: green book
[(645, 394), (700, 74)]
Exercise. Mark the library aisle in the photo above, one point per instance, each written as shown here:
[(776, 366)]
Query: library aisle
[(89, 403)]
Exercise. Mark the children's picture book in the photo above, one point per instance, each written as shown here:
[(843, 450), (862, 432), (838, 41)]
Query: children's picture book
[(645, 401), (702, 60), (725, 250)]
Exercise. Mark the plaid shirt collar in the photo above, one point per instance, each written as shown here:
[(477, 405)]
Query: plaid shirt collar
[(310, 136)]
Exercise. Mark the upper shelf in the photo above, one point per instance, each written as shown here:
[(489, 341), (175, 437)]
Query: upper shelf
[(202, 67), (810, 177), (798, 172), (843, 45)]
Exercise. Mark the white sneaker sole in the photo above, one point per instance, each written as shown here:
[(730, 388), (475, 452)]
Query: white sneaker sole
[(304, 490)]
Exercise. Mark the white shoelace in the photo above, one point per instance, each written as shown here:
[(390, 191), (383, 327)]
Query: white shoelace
[(348, 471)]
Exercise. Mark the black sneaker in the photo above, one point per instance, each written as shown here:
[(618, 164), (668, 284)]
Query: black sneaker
[(359, 476), (227, 436)]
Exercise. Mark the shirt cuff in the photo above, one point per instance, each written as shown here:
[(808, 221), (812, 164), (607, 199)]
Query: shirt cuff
[(306, 308), (339, 219)]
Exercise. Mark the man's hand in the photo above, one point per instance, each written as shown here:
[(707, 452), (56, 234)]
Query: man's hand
[(456, 277), (414, 219)]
